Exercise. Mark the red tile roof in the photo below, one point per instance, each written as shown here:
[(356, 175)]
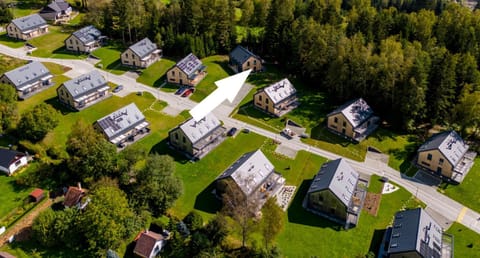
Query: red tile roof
[(146, 242), (37, 193), (73, 196)]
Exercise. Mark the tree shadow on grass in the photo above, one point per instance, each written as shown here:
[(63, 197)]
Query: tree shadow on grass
[(161, 80), (55, 103), (249, 110), (31, 246), (117, 65), (163, 148), (63, 51), (297, 214), (225, 67), (206, 200), (321, 133), (16, 187), (129, 250), (6, 38)]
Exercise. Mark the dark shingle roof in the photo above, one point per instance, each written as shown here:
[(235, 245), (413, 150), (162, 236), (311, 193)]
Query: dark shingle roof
[(280, 90), (339, 177), (449, 143), (85, 84), (146, 243), (29, 22), (414, 230), (8, 156), (190, 64), (73, 196), (356, 111), (240, 54), (88, 34), (143, 47), (249, 171), (27, 74), (121, 120)]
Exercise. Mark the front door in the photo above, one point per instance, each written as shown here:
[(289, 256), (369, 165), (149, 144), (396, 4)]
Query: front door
[(439, 171)]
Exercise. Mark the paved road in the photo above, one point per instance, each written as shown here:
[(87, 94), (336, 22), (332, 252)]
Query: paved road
[(436, 201)]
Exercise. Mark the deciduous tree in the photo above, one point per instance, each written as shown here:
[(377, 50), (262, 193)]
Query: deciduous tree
[(36, 123)]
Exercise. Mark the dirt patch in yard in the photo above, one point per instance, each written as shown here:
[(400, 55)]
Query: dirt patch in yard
[(372, 203)]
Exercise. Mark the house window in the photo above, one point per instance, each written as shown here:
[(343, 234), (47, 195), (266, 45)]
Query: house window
[(18, 163), (429, 156), (335, 120), (248, 63), (440, 162), (176, 136), (126, 55), (260, 98), (266, 101), (254, 62), (184, 140), (425, 164), (344, 123), (173, 73)]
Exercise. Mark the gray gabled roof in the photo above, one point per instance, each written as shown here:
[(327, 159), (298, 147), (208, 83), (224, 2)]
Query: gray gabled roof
[(190, 64), (337, 176), (121, 121), (356, 111), (143, 47), (88, 34), (85, 84), (249, 171), (280, 90), (240, 54), (415, 230), (29, 22), (195, 131), (8, 156), (27, 74), (449, 143), (56, 6)]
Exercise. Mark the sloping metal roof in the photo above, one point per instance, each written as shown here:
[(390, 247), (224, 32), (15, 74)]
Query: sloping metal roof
[(190, 64), (356, 112), (449, 143), (8, 156), (29, 22), (85, 84), (249, 171), (195, 131), (240, 54), (88, 34), (122, 120), (143, 47), (29, 73), (414, 230), (280, 90), (339, 177)]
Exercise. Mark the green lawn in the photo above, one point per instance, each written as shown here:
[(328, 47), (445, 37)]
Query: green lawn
[(52, 44), (308, 235), (24, 8), (466, 192), (217, 69), (8, 63), (154, 75), (10, 42), (12, 195), (311, 114), (110, 59), (466, 241)]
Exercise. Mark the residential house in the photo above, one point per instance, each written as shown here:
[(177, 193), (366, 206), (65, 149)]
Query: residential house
[(197, 138), (28, 79), (141, 54), (188, 71), (241, 59), (36, 195), (149, 244), (446, 155), (11, 161), (123, 125), (57, 10), (353, 120), (27, 27), (337, 193), (85, 40), (277, 99), (84, 90), (74, 196), (415, 233), (254, 175)]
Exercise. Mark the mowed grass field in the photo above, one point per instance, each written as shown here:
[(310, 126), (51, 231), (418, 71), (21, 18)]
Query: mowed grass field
[(11, 195), (154, 75), (110, 59), (52, 44)]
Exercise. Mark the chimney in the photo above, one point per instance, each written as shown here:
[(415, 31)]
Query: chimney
[(79, 186)]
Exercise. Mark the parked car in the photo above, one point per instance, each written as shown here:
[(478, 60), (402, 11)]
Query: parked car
[(232, 131), (181, 90), (187, 92), (245, 130), (118, 88)]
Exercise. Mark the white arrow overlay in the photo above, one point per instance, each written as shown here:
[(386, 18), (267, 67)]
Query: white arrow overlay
[(228, 88)]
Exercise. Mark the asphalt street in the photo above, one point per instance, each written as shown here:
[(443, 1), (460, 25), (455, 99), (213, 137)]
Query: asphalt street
[(439, 203)]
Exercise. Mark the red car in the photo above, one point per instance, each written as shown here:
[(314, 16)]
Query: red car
[(187, 93)]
